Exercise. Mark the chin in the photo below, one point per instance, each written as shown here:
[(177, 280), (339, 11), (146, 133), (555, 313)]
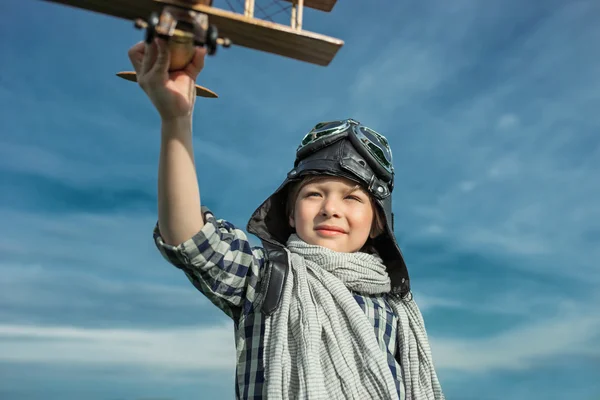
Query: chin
[(332, 245)]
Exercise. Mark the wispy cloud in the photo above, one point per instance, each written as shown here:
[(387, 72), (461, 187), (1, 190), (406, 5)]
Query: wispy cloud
[(160, 349), (50, 162), (49, 294), (572, 335), (496, 142), (495, 156), (491, 110)]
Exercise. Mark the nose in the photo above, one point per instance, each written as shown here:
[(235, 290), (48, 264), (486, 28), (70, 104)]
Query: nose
[(329, 208)]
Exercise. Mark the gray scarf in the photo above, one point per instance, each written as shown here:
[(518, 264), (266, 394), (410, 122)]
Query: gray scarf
[(320, 344)]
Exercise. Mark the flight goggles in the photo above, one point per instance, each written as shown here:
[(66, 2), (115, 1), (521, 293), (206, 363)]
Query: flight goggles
[(372, 146)]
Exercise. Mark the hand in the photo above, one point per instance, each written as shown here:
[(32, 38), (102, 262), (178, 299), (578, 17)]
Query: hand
[(172, 93)]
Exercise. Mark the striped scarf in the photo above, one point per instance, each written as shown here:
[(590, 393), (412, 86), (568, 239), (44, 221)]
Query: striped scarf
[(320, 344)]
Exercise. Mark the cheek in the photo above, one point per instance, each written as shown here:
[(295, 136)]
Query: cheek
[(303, 211), (363, 217)]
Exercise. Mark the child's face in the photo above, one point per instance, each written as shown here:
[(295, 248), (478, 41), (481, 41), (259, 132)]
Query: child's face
[(332, 213)]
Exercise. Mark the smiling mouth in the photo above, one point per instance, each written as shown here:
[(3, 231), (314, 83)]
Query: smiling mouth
[(330, 231)]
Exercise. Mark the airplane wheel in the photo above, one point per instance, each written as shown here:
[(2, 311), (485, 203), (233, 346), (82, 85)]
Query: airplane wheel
[(212, 34)]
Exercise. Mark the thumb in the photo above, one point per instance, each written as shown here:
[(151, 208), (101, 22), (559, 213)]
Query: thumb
[(163, 58)]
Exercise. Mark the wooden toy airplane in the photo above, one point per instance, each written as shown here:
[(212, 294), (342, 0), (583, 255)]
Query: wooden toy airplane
[(185, 24)]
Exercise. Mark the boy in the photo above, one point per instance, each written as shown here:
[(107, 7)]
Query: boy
[(323, 310)]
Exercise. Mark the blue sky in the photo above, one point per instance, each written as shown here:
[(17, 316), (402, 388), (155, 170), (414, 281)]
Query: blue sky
[(492, 112)]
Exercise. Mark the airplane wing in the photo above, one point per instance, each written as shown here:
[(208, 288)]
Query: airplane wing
[(243, 31)]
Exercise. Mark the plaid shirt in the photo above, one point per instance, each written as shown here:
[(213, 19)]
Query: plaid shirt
[(221, 263)]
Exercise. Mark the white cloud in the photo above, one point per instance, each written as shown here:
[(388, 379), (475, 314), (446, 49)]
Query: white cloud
[(528, 301), (403, 80), (186, 349), (572, 332), (531, 150), (535, 193), (504, 168), (565, 335), (86, 237), (45, 288)]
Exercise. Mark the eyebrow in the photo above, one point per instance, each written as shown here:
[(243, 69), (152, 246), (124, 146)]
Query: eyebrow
[(320, 184), (356, 188)]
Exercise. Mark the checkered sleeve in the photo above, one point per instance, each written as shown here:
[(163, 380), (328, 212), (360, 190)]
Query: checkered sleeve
[(220, 263)]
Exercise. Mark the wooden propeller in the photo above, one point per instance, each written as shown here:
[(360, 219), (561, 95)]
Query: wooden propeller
[(200, 90)]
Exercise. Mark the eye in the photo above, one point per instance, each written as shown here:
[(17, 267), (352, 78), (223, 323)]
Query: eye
[(311, 194), (356, 198)]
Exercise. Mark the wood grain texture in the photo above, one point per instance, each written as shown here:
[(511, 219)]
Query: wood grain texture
[(201, 91), (243, 31), (321, 5)]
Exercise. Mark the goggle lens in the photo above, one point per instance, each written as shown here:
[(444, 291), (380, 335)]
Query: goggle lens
[(322, 130), (377, 145)]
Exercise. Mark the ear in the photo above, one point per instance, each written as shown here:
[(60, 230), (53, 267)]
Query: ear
[(292, 221)]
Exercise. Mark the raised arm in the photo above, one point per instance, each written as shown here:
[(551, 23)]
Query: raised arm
[(179, 215), (216, 256), (173, 94)]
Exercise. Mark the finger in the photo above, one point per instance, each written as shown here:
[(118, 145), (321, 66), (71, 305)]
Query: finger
[(149, 56), (163, 58), (197, 64), (136, 55)]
